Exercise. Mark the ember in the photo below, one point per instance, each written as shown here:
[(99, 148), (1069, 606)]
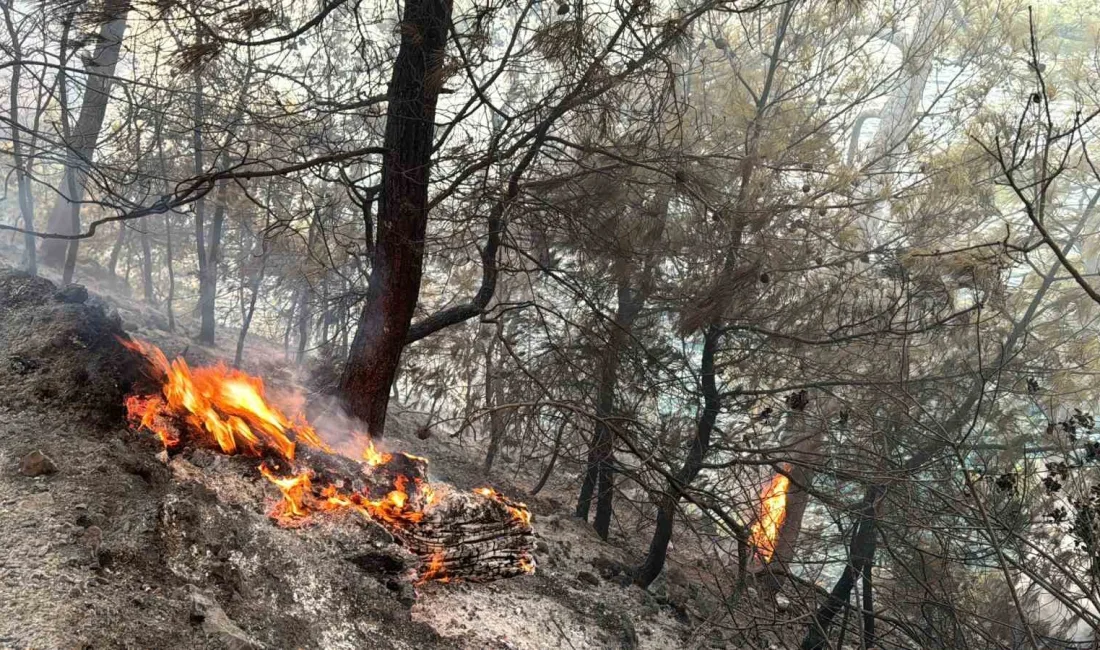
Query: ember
[(227, 410), (773, 510)]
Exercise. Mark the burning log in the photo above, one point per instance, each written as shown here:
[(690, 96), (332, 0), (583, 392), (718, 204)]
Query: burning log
[(477, 537), (480, 536)]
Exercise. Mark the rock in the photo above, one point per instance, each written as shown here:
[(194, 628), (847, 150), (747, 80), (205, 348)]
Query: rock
[(75, 294), (607, 567), (206, 612), (37, 463), (588, 578), (93, 539)]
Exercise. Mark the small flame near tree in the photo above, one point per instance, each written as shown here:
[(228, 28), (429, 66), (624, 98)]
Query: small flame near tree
[(226, 409), (773, 511)]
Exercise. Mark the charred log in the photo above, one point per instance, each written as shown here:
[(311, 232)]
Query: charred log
[(480, 536)]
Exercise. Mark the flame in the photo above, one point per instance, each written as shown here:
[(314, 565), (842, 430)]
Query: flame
[(519, 510), (773, 511), (373, 457), (435, 570), (226, 404), (527, 565), (226, 409)]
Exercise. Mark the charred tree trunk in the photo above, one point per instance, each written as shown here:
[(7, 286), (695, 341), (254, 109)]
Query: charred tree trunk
[(492, 398), (208, 269), (81, 142), (700, 446), (170, 263), (403, 214), (806, 441), (305, 312), (250, 310), (169, 259), (116, 250), (599, 477), (861, 556), (146, 265)]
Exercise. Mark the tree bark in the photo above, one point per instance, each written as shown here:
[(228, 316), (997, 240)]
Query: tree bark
[(146, 265), (700, 446), (81, 142), (806, 442), (492, 398), (861, 556), (403, 215), (116, 250), (599, 478), (305, 313), (208, 271)]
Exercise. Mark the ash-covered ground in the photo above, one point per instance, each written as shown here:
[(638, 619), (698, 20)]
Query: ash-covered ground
[(103, 545)]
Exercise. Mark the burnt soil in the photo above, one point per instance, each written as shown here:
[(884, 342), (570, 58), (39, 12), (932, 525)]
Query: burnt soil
[(107, 545)]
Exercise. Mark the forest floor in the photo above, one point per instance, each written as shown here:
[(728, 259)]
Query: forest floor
[(104, 546)]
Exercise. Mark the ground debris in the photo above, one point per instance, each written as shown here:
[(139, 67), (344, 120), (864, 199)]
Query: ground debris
[(207, 613), (37, 463)]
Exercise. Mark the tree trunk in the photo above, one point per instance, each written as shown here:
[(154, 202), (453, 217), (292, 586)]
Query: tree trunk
[(146, 265), (246, 320), (308, 302), (116, 250), (208, 271), (403, 214), (26, 198), (599, 477), (805, 440), (861, 556), (492, 399), (171, 272), (700, 446), (81, 142)]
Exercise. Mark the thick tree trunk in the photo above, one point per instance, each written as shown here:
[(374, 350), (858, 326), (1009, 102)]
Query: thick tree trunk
[(403, 214), (81, 143), (700, 446)]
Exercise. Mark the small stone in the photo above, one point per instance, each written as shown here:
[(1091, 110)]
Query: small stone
[(588, 578), (37, 463), (162, 456), (205, 611), (74, 294)]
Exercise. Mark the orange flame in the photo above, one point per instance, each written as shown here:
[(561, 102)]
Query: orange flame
[(227, 409), (519, 510), (773, 511), (224, 403), (373, 457)]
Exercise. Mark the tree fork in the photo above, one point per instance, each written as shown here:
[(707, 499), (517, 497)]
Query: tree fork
[(402, 216)]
